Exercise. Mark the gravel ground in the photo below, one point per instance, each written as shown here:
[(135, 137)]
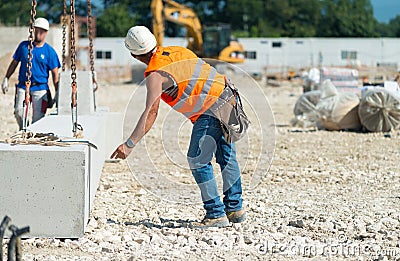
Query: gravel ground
[(327, 195)]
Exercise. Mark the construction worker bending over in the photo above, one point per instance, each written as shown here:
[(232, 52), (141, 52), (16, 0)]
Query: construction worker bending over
[(44, 59), (189, 85)]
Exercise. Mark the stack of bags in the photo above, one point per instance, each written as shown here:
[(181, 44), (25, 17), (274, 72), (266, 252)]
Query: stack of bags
[(377, 111)]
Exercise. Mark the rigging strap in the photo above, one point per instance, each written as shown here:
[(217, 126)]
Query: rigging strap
[(45, 139)]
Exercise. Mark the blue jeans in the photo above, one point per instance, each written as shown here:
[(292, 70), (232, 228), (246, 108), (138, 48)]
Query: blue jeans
[(207, 139)]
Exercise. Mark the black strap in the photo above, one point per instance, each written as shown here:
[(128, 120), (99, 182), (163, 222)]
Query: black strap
[(33, 83)]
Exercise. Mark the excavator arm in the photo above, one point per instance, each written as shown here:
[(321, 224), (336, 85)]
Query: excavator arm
[(216, 42), (158, 20), (180, 14)]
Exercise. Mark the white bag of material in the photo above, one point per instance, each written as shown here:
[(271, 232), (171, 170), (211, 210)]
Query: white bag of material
[(379, 110), (392, 86), (307, 102), (338, 110), (314, 75), (328, 89), (305, 111)]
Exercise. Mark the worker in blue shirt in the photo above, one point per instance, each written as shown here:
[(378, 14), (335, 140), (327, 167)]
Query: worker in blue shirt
[(44, 60)]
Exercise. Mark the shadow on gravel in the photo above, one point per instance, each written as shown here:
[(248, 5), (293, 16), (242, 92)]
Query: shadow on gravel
[(362, 131), (302, 131), (165, 223)]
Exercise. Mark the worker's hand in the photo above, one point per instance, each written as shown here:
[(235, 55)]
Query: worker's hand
[(4, 85), (122, 152)]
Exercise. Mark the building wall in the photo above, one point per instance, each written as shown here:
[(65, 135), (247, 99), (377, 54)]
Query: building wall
[(279, 54), (10, 37), (308, 52)]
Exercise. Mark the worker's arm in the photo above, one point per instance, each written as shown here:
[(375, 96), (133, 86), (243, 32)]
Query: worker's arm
[(55, 77), (11, 69), (154, 88)]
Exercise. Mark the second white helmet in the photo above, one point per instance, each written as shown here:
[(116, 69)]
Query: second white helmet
[(139, 40), (41, 23)]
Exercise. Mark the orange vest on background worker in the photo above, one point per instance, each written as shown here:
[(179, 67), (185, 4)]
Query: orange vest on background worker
[(199, 84)]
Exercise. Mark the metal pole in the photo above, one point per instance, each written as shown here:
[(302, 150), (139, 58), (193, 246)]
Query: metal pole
[(3, 228), (14, 246)]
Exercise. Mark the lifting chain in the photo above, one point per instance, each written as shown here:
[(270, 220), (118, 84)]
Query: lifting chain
[(76, 128), (73, 49), (90, 34), (29, 69), (64, 33)]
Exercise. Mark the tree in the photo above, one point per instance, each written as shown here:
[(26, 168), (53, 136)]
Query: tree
[(138, 9), (244, 15), (394, 26), (54, 9), (384, 30), (295, 18), (115, 21), (248, 18), (258, 18), (16, 12), (347, 18)]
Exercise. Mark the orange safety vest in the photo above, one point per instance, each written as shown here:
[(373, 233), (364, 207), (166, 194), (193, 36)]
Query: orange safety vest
[(199, 84)]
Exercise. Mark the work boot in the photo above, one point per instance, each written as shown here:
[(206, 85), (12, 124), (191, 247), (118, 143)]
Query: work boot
[(236, 216), (211, 222)]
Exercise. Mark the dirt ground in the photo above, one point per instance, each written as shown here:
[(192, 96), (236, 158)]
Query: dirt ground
[(326, 195)]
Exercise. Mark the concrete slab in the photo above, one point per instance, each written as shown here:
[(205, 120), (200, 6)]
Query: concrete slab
[(84, 93), (51, 188)]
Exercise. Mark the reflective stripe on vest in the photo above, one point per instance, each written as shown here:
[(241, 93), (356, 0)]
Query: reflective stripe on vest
[(204, 93), (189, 88)]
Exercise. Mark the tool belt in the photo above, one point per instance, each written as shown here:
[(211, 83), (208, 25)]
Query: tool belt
[(32, 83), (229, 110)]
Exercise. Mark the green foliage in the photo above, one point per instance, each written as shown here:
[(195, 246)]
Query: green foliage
[(15, 12), (347, 18), (248, 18), (139, 10), (394, 27), (115, 21), (296, 18)]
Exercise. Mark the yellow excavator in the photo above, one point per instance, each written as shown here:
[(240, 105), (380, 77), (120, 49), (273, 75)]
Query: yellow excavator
[(206, 41)]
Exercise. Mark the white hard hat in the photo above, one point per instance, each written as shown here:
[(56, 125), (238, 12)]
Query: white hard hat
[(139, 40), (41, 23)]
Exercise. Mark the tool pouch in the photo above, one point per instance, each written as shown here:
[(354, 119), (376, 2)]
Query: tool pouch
[(229, 110)]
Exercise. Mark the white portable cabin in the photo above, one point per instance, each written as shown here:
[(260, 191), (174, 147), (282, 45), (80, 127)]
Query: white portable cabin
[(281, 54), (274, 55)]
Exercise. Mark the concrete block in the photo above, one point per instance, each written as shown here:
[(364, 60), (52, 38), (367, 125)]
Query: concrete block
[(114, 134), (84, 93), (52, 188)]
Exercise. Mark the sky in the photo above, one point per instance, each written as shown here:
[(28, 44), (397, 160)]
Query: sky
[(384, 10)]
